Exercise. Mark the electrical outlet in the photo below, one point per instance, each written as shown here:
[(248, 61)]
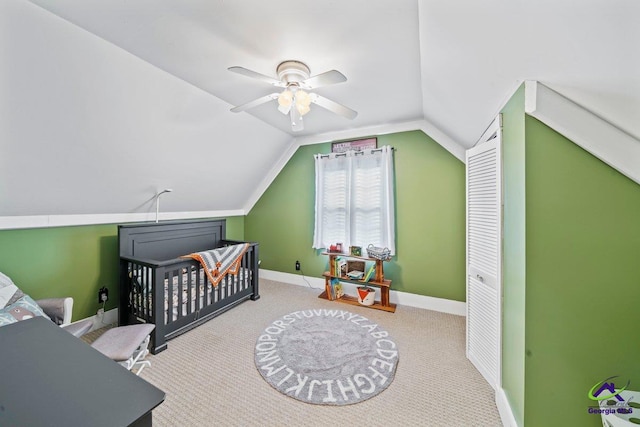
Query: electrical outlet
[(103, 295), (297, 265)]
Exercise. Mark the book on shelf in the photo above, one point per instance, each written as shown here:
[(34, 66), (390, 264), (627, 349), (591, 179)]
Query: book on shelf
[(338, 291), (355, 275), (340, 267), (343, 268), (332, 288), (370, 273)]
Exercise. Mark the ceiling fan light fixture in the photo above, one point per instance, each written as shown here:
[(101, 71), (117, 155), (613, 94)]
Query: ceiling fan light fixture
[(303, 109), (292, 71), (293, 76), (284, 109), (285, 99), (303, 101)]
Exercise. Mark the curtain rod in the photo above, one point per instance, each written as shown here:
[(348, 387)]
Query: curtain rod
[(355, 154)]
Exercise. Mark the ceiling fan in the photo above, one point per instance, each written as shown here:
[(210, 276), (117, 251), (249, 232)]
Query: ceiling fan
[(295, 100)]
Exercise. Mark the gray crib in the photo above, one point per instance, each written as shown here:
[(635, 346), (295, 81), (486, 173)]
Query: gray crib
[(159, 287)]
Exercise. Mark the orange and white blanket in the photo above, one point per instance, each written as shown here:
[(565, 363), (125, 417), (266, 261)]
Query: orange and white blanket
[(217, 263)]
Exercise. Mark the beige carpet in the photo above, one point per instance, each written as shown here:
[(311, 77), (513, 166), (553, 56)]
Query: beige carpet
[(210, 378)]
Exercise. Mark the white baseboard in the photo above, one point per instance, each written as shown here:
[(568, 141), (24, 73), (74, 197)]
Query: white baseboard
[(110, 317), (506, 414), (458, 308)]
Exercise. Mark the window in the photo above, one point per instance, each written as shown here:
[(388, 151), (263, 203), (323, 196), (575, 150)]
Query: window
[(354, 199)]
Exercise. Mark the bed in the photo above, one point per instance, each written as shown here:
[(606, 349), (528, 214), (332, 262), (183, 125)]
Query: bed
[(158, 286)]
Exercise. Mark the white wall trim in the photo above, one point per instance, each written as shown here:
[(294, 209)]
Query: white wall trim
[(271, 175), (613, 146), (449, 144), (293, 279), (43, 221), (403, 298), (498, 112), (506, 414), (494, 127)]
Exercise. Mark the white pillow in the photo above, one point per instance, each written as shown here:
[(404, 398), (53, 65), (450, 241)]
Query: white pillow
[(6, 293)]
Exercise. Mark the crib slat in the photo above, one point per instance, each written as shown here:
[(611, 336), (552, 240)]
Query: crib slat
[(145, 294), (200, 281), (243, 271), (139, 296), (182, 304), (169, 301), (142, 297), (193, 291)]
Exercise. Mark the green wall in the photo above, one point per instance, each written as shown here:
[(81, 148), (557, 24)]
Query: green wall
[(514, 254), (430, 217), (71, 261), (582, 282), (63, 261), (570, 277)]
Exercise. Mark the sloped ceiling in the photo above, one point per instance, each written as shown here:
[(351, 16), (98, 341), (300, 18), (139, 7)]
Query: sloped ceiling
[(102, 104)]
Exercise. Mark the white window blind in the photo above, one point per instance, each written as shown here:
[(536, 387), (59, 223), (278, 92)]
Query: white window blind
[(355, 199)]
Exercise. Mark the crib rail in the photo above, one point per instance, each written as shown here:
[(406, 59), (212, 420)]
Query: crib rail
[(175, 294)]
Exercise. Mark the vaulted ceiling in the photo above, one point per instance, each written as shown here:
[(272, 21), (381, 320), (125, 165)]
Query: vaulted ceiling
[(103, 103)]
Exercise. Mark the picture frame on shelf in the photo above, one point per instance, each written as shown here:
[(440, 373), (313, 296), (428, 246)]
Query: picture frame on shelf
[(355, 250)]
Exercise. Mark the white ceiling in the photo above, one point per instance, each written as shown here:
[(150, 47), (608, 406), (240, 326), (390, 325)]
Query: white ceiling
[(164, 67), (375, 44)]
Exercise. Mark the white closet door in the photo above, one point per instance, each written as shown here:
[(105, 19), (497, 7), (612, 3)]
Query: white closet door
[(484, 256)]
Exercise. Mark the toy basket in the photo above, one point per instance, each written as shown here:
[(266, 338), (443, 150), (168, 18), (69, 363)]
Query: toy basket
[(366, 295), (383, 254)]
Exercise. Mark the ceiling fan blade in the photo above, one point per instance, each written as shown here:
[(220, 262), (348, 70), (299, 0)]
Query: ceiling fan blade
[(333, 106), (323, 79), (253, 74), (255, 102), (296, 120)]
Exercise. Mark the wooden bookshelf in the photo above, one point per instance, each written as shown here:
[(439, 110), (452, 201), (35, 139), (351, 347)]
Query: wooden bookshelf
[(378, 281)]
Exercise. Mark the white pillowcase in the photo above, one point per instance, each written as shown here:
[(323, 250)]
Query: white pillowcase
[(6, 293)]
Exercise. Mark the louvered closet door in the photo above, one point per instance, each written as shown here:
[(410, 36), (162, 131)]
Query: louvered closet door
[(484, 253)]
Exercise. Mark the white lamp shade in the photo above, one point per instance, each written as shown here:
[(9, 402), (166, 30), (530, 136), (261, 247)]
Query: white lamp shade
[(285, 98)]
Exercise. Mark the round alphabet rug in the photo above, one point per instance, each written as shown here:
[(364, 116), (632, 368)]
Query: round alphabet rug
[(326, 357)]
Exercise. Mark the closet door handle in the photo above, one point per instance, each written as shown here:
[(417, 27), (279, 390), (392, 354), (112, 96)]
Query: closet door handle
[(480, 278)]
